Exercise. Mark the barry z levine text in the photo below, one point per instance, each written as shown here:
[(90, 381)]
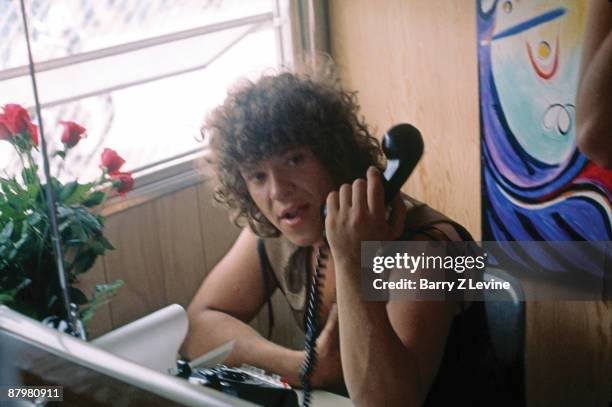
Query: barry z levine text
[(425, 284)]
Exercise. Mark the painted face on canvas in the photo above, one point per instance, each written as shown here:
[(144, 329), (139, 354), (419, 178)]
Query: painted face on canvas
[(535, 54)]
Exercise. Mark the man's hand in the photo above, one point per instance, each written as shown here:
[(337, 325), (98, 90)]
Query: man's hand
[(357, 213), (328, 367)]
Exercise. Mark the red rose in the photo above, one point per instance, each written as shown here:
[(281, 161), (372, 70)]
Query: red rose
[(72, 133), (5, 134), (33, 129), (17, 120), (125, 184), (111, 161)]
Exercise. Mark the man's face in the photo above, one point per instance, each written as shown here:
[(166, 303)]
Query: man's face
[(289, 190)]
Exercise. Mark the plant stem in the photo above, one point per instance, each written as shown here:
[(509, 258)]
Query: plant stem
[(104, 198)]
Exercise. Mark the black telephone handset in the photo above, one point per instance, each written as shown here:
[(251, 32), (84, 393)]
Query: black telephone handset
[(403, 147)]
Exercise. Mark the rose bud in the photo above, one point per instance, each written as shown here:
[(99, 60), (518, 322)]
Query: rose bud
[(72, 133), (5, 134), (17, 120), (111, 161), (123, 181)]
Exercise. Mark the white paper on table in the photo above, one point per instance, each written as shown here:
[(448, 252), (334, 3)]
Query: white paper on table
[(151, 341)]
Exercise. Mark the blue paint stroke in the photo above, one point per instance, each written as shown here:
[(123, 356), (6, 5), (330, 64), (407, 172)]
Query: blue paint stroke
[(533, 22)]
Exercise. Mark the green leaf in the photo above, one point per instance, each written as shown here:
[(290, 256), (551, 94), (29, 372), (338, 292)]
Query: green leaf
[(88, 219), (10, 256), (26, 237), (63, 225), (7, 232), (97, 247), (105, 242), (8, 296), (78, 194), (33, 191), (100, 296), (104, 288), (77, 296), (78, 232), (60, 153), (94, 199), (55, 184), (64, 211), (52, 301), (7, 190), (84, 261), (29, 176), (34, 218), (67, 191)]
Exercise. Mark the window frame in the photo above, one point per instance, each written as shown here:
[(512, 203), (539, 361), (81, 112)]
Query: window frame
[(185, 169)]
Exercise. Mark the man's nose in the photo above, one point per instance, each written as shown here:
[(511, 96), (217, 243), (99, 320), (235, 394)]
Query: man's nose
[(280, 186)]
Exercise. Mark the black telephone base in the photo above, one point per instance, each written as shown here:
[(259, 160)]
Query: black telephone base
[(247, 383)]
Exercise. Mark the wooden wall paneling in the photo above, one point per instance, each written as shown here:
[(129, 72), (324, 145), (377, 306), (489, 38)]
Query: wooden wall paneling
[(137, 260), (218, 231), (569, 353), (101, 321), (181, 244), (415, 61)]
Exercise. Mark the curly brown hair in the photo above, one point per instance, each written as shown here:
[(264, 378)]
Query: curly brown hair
[(266, 117)]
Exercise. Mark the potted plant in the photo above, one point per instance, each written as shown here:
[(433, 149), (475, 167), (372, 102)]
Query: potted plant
[(28, 270)]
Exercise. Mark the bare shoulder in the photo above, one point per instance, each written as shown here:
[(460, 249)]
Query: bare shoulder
[(428, 223)]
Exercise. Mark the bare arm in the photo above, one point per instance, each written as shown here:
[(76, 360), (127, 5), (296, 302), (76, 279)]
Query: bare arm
[(396, 346), (594, 97), (390, 352), (231, 296)]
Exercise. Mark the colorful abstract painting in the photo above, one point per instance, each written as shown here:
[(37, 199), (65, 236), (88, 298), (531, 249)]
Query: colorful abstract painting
[(536, 185)]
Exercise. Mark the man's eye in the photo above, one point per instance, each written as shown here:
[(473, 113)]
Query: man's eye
[(257, 177), (295, 159)]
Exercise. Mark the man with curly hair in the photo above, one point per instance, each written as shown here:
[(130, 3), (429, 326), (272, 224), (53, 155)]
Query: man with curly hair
[(282, 147)]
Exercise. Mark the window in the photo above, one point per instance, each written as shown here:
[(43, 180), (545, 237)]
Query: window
[(140, 75)]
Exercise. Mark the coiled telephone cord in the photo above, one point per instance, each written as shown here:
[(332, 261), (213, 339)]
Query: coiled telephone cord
[(312, 329)]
